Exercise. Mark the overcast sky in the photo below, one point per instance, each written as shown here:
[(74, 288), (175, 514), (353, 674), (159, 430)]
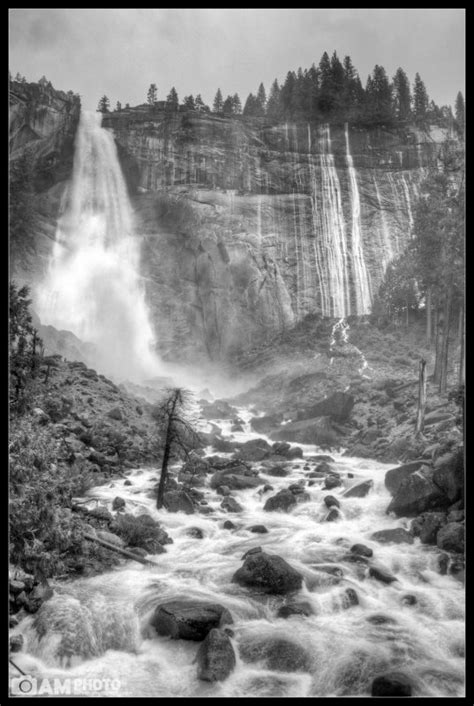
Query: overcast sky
[(119, 52)]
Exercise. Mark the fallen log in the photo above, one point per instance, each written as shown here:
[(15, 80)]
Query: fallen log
[(119, 550)]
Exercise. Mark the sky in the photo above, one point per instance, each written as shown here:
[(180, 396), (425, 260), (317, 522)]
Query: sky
[(120, 52)]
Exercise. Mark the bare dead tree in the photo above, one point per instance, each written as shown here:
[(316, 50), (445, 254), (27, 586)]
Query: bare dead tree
[(176, 426), (420, 415)]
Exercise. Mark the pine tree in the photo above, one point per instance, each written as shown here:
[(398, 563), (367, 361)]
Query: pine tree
[(104, 105), (218, 102), (127, 106), (262, 99), (402, 96), (228, 106), (379, 97), (199, 103), (325, 93), (118, 107), (172, 102), (250, 107), (287, 94), (236, 104), (151, 96), (274, 109), (189, 103), (460, 113), (420, 101)]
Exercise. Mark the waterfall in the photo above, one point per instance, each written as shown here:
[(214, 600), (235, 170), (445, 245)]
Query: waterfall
[(387, 249), (407, 198), (92, 286), (361, 276)]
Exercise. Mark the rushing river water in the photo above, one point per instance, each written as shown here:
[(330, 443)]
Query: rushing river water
[(348, 644)]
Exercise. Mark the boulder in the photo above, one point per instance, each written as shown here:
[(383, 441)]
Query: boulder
[(333, 515), (110, 537), (381, 573), (295, 608), (178, 501), (266, 423), (317, 431), (258, 529), (223, 490), (254, 550), (395, 476), (397, 535), (449, 475), (281, 447), (16, 643), (359, 490), (332, 482), (115, 413), (416, 494), (223, 445), (362, 550), (230, 504), (337, 406), (451, 538), (215, 657), (283, 501), (391, 684), (331, 501), (278, 654), (278, 471), (427, 525), (220, 409), (41, 593), (294, 452), (195, 532), (234, 481), (349, 598), (189, 620), (228, 525), (254, 450), (268, 572), (118, 503)]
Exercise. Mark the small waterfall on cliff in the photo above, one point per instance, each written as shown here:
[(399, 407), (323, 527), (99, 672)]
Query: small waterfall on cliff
[(92, 286), (361, 276)]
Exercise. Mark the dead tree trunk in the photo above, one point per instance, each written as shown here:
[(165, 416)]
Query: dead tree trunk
[(443, 379), (428, 317), (170, 431), (420, 415), (119, 550), (461, 346)]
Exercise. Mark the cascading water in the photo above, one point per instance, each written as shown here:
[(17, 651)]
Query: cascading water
[(359, 627), (93, 287)]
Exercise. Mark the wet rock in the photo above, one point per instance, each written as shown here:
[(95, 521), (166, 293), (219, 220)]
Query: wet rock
[(380, 619), (449, 475), (360, 490), (16, 643), (178, 501), (427, 525), (118, 503), (116, 413), (254, 550), (295, 608), (443, 563), (397, 535), (195, 466), (13, 622), (333, 515), (317, 431), (41, 593), (195, 532), (235, 481), (228, 525), (278, 654), (254, 450), (268, 572), (281, 447), (338, 406), (324, 467), (381, 574), (236, 427), (417, 494), (205, 510), (316, 474), (215, 657), (294, 452), (283, 501), (450, 538), (362, 550), (230, 504), (455, 516), (391, 684), (279, 471), (395, 476), (223, 490), (409, 599), (127, 482), (16, 586), (331, 501), (332, 482), (258, 529), (101, 513), (189, 620), (322, 457), (266, 488), (349, 598)]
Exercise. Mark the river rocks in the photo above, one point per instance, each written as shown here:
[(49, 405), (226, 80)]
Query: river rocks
[(258, 529), (333, 515), (235, 481), (189, 620), (337, 406), (41, 593), (254, 450), (278, 654), (266, 423), (331, 501), (215, 657), (427, 525), (283, 501), (195, 532), (220, 409), (277, 471), (317, 431), (294, 452), (118, 503), (362, 550), (450, 538), (397, 535), (178, 501), (332, 482), (349, 598), (449, 475), (360, 490), (381, 573), (16, 643), (268, 572), (395, 476), (230, 504), (281, 447), (391, 684), (415, 495), (228, 525), (295, 608)]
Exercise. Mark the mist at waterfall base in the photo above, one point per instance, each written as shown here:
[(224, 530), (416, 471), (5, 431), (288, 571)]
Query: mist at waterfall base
[(93, 287), (414, 625)]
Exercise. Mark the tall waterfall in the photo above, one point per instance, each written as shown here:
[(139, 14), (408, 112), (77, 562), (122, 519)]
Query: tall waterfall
[(93, 286)]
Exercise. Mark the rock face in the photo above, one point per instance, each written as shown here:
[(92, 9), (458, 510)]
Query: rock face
[(215, 657), (240, 215), (268, 572), (416, 494), (189, 620)]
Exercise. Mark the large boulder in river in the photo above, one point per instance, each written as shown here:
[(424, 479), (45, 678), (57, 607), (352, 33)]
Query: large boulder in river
[(178, 501), (254, 450), (277, 653), (317, 431), (391, 684), (215, 657), (359, 490), (337, 406), (449, 475), (417, 494), (268, 572), (427, 525), (235, 480), (397, 535), (451, 538), (189, 620), (283, 501), (395, 476)]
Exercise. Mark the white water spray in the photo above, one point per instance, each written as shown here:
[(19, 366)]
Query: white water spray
[(93, 287)]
